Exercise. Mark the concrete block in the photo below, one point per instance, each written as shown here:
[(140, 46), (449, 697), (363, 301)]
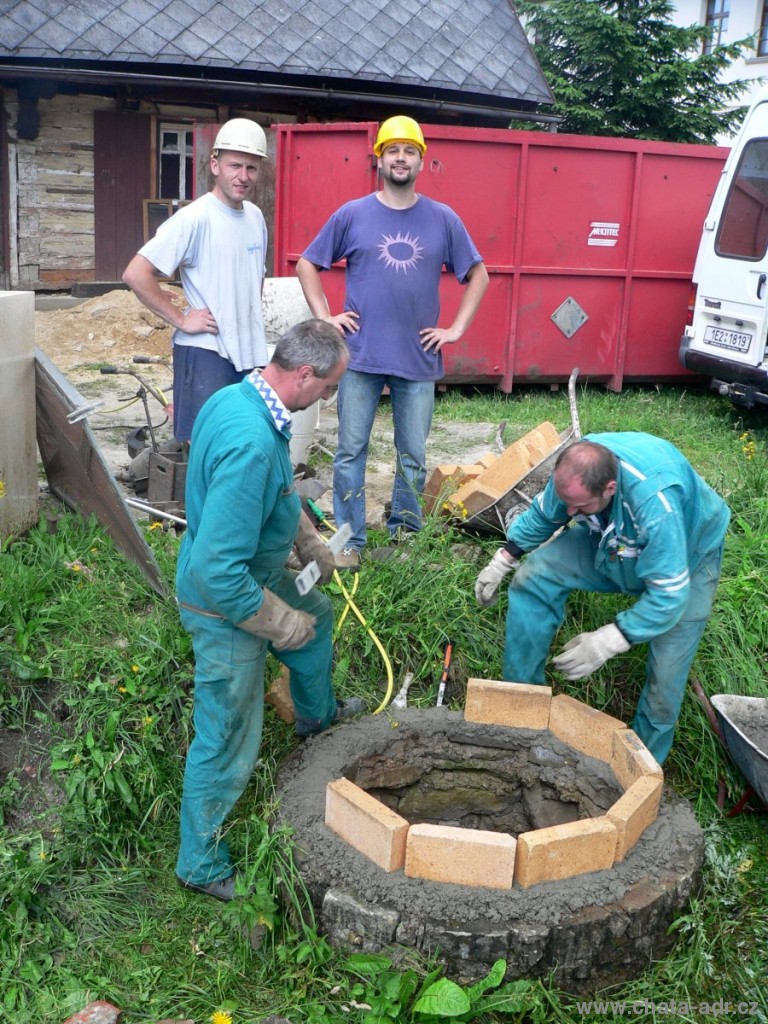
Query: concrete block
[(279, 696), (513, 463), (472, 498), (562, 851), (631, 759), (634, 812), (582, 727), (366, 824), (443, 853), (517, 705), (540, 441)]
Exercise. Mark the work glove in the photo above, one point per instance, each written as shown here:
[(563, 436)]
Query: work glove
[(588, 651), (311, 547), (487, 584), (286, 628)]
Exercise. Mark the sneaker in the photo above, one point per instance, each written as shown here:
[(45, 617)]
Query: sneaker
[(223, 889), (349, 558), (349, 708)]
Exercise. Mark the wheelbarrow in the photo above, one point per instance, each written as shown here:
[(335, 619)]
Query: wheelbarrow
[(496, 517), (741, 725)]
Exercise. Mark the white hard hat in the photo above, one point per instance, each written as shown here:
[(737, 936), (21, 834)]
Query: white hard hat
[(242, 135)]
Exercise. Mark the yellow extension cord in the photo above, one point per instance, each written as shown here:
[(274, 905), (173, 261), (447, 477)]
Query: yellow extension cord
[(351, 605)]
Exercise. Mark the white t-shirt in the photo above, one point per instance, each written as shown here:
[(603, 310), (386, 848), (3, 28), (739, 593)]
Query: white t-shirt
[(219, 253)]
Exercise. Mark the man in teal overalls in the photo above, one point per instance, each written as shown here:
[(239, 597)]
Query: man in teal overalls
[(640, 521), (236, 598)]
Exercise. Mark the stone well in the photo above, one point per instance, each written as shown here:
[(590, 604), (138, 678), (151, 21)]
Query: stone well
[(437, 772)]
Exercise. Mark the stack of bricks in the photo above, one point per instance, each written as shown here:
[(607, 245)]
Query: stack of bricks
[(442, 853), (464, 491)]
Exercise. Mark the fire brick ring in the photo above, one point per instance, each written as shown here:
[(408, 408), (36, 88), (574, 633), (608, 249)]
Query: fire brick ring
[(588, 931)]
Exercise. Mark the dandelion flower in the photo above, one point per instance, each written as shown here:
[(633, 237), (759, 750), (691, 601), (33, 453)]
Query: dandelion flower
[(134, 668), (2, 488), (221, 1017)]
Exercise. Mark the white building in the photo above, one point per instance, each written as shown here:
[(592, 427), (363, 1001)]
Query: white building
[(732, 20)]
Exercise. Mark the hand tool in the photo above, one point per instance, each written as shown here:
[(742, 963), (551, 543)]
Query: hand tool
[(444, 677), (310, 574)]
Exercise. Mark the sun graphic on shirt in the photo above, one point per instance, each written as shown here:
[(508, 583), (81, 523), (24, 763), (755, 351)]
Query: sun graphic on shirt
[(400, 251)]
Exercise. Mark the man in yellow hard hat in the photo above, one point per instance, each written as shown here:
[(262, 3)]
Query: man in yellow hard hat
[(395, 242), (218, 243)]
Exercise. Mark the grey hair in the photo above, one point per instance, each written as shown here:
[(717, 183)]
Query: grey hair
[(595, 465), (314, 343)]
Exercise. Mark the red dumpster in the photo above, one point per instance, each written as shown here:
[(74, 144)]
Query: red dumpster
[(589, 242)]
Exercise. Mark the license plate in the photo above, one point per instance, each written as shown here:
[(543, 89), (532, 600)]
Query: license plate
[(722, 338)]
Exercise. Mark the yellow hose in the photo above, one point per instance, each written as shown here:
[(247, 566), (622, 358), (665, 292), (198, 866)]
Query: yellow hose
[(385, 658), (351, 604)]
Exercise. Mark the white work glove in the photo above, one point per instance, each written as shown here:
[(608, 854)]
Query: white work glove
[(588, 651), (286, 628), (487, 584), (311, 547)]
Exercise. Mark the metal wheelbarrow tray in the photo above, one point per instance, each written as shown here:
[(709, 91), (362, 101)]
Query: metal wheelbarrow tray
[(744, 725)]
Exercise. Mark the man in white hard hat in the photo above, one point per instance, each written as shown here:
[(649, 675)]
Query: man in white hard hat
[(396, 243), (218, 244)]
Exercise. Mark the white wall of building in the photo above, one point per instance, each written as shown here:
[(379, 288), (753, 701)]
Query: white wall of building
[(743, 20)]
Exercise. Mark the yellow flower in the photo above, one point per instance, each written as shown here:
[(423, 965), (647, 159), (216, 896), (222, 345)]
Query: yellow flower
[(122, 689), (221, 1017), (156, 526), (745, 866), (148, 720), (2, 488), (134, 668)]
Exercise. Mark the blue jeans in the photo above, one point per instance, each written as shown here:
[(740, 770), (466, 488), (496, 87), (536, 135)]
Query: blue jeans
[(537, 597), (228, 718), (412, 405), (197, 374)]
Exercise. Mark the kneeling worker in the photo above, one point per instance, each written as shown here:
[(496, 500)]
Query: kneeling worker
[(641, 521), (236, 598)]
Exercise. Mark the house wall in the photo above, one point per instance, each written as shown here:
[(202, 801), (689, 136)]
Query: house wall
[(50, 221), (743, 20), (49, 229)]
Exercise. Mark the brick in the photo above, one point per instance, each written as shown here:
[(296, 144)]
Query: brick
[(582, 727), (518, 705), (366, 824), (464, 856), (540, 441), (634, 812), (513, 463), (563, 851), (443, 480), (631, 759), (472, 498), (279, 696)]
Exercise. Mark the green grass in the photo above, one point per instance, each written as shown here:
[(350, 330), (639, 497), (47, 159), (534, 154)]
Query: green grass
[(91, 657)]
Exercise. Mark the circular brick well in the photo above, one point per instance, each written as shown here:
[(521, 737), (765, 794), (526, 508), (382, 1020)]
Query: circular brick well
[(431, 766)]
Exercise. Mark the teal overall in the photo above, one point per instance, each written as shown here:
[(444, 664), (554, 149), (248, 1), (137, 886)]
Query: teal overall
[(242, 515), (661, 538)]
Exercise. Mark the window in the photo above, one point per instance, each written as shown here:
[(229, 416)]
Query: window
[(717, 20), (762, 42), (175, 163), (743, 231)]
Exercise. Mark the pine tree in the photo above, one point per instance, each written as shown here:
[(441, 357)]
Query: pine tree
[(621, 68)]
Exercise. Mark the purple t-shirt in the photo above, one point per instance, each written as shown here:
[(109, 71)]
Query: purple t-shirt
[(394, 261)]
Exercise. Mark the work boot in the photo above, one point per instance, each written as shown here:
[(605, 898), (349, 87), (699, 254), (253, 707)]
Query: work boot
[(349, 558), (349, 708), (223, 889)]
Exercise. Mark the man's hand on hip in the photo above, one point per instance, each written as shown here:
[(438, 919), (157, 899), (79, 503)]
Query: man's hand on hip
[(436, 337), (487, 584), (585, 653), (199, 321)]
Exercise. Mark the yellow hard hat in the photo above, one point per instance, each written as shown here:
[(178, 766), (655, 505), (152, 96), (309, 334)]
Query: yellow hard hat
[(399, 129)]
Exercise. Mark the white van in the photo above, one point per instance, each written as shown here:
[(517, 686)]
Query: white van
[(727, 337)]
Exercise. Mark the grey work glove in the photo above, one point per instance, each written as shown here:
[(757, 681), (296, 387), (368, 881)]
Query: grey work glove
[(311, 547), (286, 628), (588, 651), (487, 584)]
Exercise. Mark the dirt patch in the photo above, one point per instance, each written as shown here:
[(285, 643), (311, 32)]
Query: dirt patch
[(110, 329)]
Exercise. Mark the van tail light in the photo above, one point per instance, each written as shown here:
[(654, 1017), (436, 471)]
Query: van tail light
[(691, 306)]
